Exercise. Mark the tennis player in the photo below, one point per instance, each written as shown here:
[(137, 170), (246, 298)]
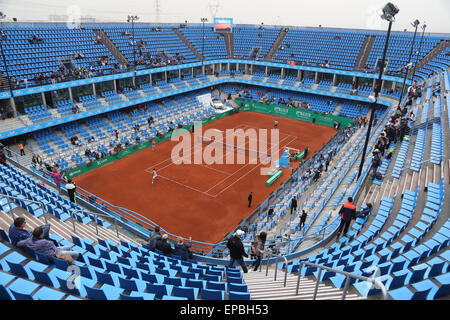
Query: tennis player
[(154, 175)]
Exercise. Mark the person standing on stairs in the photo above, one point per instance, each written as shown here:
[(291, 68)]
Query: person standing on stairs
[(348, 213), (260, 240), (237, 251)]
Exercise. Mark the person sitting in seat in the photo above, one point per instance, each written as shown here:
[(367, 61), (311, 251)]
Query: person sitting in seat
[(46, 247), (17, 231), (365, 211)]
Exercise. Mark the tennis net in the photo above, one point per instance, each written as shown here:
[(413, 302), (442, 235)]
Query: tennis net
[(255, 154)]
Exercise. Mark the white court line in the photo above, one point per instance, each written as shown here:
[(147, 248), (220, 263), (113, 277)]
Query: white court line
[(184, 185), (229, 175), (169, 159), (245, 174), (240, 170)]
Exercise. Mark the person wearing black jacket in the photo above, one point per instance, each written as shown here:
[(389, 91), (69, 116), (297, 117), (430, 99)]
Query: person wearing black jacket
[(164, 246), (293, 205), (250, 197), (237, 251), (154, 238), (303, 219), (348, 213)]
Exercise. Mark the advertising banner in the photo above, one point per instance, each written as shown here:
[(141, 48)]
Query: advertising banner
[(293, 113)]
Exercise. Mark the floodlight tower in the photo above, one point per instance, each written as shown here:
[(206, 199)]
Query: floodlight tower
[(423, 27), (132, 19), (415, 24), (388, 13)]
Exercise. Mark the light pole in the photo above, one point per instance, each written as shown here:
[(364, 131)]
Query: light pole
[(424, 26), (132, 19), (389, 12), (415, 24), (203, 39), (2, 38)]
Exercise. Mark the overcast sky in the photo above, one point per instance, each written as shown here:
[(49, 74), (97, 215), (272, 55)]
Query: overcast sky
[(359, 14)]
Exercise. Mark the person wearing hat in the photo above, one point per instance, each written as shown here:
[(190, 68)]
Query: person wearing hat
[(237, 251)]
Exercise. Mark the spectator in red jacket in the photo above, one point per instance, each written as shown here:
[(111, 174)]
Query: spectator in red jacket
[(348, 213)]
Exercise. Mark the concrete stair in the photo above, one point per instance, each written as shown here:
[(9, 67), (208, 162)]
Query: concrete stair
[(276, 44), (262, 287), (188, 43), (364, 53)]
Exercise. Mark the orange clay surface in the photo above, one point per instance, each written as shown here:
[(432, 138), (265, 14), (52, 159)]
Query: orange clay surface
[(200, 200)]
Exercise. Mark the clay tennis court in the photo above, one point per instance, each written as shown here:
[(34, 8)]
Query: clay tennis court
[(205, 201)]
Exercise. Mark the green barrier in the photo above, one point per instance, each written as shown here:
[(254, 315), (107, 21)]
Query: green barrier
[(293, 113), (300, 156), (274, 178), (130, 150)]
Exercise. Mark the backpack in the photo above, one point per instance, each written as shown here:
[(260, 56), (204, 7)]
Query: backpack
[(378, 176)]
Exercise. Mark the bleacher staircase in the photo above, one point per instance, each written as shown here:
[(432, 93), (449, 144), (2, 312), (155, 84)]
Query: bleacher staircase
[(188, 43), (276, 44), (262, 287), (229, 42), (444, 44), (364, 53), (111, 47)]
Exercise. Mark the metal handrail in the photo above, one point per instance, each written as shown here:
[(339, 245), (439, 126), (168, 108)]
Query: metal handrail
[(23, 199), (348, 275), (96, 215), (276, 269)]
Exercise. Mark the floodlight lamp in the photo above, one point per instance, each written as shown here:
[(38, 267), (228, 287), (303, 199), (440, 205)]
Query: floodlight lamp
[(389, 11), (2, 15), (415, 23), (424, 26), (204, 19)]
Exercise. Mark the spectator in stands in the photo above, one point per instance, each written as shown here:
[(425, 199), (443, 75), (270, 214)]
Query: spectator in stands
[(317, 173), (156, 236), (71, 188), (164, 246), (365, 211), (43, 246), (259, 243), (348, 213), (150, 121), (376, 162), (21, 148), (57, 179), (34, 161), (412, 117), (182, 248), (404, 128), (270, 213), (237, 251), (293, 204), (302, 219), (17, 231)]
